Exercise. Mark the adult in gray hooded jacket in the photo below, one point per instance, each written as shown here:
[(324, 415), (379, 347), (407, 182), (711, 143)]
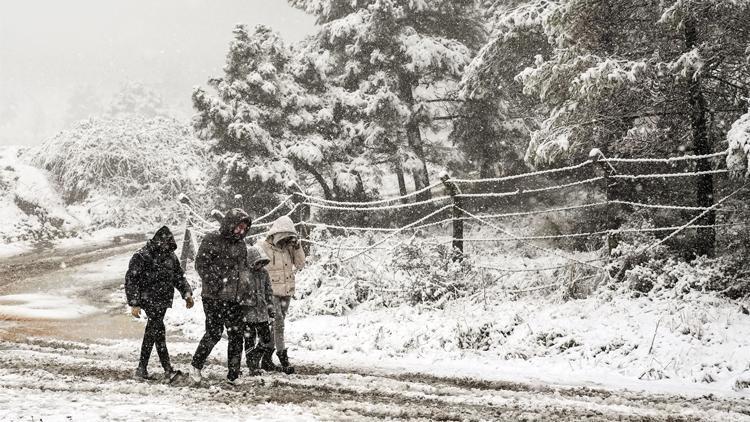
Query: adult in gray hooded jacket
[(283, 248)]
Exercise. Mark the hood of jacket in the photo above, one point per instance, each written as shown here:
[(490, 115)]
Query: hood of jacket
[(255, 255), (231, 220), (282, 227), (163, 241)]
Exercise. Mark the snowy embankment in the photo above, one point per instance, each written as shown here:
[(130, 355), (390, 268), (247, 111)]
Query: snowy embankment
[(30, 208), (33, 212)]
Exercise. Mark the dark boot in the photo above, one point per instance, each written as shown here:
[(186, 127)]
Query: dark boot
[(284, 359), (171, 375), (253, 361), (266, 362), (142, 374)]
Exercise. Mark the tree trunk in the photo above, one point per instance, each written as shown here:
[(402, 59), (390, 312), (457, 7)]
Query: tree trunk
[(414, 136), (485, 169), (327, 194), (702, 145), (399, 169)]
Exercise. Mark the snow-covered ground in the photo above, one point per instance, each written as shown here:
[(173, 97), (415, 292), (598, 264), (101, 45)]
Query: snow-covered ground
[(532, 358)]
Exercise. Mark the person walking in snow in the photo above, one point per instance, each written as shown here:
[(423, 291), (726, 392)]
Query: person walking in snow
[(153, 274), (258, 310), (222, 264), (283, 248)]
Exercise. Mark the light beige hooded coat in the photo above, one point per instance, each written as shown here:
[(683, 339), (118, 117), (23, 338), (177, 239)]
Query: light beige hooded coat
[(284, 262)]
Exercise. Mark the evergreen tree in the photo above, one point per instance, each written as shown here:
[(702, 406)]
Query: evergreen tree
[(641, 78), (271, 122), (496, 117), (384, 54)]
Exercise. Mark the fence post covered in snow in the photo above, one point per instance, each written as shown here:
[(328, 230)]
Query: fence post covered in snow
[(595, 155), (458, 222), (303, 213), (188, 248)]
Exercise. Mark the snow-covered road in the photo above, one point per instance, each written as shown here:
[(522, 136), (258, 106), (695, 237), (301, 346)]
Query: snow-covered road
[(71, 356), (44, 379)]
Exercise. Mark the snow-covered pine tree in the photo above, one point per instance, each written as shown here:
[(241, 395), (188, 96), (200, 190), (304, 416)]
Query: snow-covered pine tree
[(264, 123), (496, 116), (385, 52), (641, 78)]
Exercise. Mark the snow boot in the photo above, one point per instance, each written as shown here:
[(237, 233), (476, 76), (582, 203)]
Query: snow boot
[(253, 361), (232, 378), (284, 359), (171, 375), (266, 362), (141, 373), (195, 374)]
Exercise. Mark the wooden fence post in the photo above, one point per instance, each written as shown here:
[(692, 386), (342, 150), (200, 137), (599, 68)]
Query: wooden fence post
[(303, 214), (188, 249), (605, 168), (458, 222)]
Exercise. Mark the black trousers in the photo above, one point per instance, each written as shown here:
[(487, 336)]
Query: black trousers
[(155, 335), (260, 331), (219, 315)]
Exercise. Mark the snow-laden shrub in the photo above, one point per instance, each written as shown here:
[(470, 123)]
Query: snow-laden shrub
[(324, 292), (476, 338), (429, 274), (127, 171)]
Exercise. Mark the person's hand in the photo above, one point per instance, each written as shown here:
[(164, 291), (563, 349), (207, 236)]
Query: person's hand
[(271, 313), (189, 302), (136, 311)]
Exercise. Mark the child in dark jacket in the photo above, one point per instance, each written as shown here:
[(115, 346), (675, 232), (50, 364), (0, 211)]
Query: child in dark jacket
[(257, 308), (153, 275)]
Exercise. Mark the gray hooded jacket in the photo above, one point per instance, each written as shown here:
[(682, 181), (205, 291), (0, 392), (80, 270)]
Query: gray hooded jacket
[(256, 295)]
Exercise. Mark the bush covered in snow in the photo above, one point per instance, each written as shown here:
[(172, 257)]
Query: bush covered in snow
[(128, 171), (430, 275), (663, 268)]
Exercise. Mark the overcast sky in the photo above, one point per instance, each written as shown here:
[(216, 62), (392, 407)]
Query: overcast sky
[(52, 49)]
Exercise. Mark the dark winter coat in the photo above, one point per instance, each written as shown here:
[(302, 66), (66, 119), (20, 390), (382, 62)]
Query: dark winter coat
[(220, 258), (256, 299), (154, 272)]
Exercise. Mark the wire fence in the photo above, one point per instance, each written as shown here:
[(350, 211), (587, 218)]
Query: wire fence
[(446, 197)]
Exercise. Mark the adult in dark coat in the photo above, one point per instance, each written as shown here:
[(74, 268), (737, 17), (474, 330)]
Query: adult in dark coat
[(222, 265), (153, 274)]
